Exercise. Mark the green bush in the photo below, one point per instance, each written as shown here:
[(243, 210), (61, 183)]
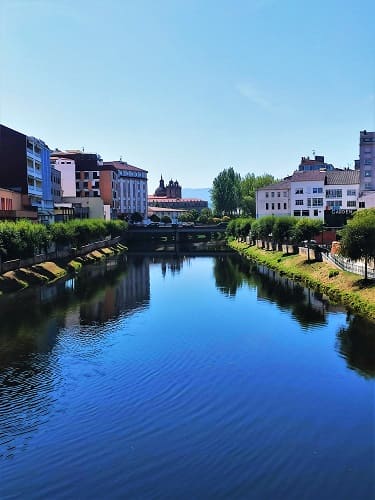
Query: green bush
[(333, 272)]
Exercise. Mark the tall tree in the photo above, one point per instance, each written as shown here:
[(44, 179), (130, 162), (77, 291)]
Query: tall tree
[(249, 184), (358, 237), (226, 192)]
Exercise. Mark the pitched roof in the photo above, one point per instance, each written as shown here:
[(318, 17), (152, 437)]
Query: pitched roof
[(122, 165), (343, 177), (284, 184), (309, 175)]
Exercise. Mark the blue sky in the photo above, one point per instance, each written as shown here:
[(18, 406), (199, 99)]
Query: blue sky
[(187, 88)]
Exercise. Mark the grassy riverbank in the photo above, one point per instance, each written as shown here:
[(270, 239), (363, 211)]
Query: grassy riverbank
[(340, 286), (49, 272)]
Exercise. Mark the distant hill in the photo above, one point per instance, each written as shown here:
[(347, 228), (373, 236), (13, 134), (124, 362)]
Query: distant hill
[(201, 193)]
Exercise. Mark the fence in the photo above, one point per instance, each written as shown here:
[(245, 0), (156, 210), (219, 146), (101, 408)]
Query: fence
[(356, 267), (63, 253)]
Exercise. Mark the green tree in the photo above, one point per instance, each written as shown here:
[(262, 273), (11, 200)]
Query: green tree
[(283, 228), (249, 184), (166, 219), (154, 218), (136, 217), (226, 192), (358, 237), (305, 229)]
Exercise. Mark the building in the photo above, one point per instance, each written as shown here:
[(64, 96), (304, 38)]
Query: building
[(317, 163), (313, 194), (172, 213), (11, 207), (132, 188), (273, 199), (367, 169), (56, 185), (25, 167), (170, 197), (84, 175)]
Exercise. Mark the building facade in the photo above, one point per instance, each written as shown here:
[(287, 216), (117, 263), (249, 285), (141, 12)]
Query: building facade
[(317, 163), (273, 199), (132, 188), (313, 194), (169, 197), (367, 169), (25, 167)]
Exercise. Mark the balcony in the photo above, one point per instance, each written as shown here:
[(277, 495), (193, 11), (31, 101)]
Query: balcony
[(34, 173), (34, 190)]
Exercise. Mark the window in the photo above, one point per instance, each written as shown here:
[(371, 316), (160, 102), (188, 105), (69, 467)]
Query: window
[(361, 204), (278, 206), (266, 206), (297, 213), (278, 194), (299, 202), (78, 175), (317, 202), (272, 194), (334, 204), (299, 191), (368, 161), (284, 206), (86, 175), (367, 173), (86, 185), (316, 213), (273, 206), (305, 213), (333, 193), (351, 203), (367, 185), (317, 190), (285, 194), (351, 192), (309, 202)]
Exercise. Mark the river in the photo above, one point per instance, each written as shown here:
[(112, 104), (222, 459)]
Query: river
[(184, 377)]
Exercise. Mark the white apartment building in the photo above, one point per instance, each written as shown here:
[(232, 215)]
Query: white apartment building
[(273, 199), (367, 169), (312, 194), (132, 188), (67, 168)]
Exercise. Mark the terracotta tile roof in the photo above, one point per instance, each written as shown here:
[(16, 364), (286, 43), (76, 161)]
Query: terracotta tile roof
[(343, 177), (164, 199), (122, 165), (310, 175), (284, 184)]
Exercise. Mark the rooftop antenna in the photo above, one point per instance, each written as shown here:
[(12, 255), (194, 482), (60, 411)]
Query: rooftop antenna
[(121, 158), (313, 152), (83, 149)]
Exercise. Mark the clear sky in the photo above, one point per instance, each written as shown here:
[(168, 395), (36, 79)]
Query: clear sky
[(187, 88)]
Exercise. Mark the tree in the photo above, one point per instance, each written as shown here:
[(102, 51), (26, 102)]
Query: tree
[(154, 218), (249, 184), (358, 237), (136, 217), (305, 229), (226, 192), (166, 219), (283, 228)]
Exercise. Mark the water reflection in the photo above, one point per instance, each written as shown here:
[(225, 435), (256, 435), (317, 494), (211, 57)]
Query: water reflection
[(31, 325), (355, 342)]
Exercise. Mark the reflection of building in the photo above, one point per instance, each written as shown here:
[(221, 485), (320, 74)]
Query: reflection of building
[(128, 294), (170, 197)]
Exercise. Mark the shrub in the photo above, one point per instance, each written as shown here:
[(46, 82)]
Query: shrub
[(333, 272)]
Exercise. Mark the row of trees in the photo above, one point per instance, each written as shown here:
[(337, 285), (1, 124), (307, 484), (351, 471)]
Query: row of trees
[(23, 239), (283, 229), (232, 195)]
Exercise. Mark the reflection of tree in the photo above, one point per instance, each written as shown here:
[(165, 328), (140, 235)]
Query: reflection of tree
[(356, 344), (232, 272)]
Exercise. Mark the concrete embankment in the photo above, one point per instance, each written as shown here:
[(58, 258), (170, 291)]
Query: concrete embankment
[(48, 272), (339, 286)]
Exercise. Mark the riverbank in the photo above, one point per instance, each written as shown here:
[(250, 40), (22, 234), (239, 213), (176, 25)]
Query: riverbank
[(340, 286), (48, 272)]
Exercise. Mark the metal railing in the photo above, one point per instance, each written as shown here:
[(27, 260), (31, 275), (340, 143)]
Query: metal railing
[(353, 266)]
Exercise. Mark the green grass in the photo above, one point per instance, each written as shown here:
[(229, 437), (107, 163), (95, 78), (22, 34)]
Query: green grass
[(340, 286)]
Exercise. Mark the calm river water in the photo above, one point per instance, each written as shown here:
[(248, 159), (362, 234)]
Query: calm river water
[(194, 377)]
